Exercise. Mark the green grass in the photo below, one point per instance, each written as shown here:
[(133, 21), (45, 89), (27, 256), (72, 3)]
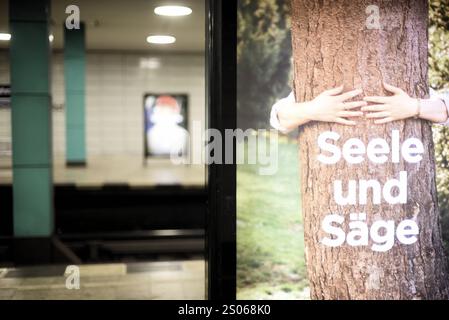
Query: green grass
[(270, 246)]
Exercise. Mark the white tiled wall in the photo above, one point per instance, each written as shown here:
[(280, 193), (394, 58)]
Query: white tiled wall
[(116, 84)]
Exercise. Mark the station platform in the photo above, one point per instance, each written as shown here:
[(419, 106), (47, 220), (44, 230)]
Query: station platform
[(119, 207), (175, 280)]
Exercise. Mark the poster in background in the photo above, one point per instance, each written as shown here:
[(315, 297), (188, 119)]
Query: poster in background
[(166, 129)]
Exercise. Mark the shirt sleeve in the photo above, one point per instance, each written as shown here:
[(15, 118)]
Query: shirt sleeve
[(445, 98), (274, 120)]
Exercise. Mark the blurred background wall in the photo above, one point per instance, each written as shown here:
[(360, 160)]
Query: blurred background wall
[(116, 85)]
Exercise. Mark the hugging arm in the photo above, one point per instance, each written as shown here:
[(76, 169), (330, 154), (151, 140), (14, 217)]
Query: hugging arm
[(400, 106), (329, 106)]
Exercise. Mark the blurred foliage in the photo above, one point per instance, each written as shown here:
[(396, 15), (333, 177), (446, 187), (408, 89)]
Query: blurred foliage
[(264, 59), (439, 44), (439, 80)]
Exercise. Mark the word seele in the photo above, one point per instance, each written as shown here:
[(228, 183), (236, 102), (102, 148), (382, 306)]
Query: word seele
[(378, 151)]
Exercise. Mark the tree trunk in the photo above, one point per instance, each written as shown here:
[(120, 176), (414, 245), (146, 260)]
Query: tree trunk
[(334, 43)]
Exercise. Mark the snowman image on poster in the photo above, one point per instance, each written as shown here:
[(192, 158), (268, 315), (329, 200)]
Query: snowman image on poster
[(165, 135)]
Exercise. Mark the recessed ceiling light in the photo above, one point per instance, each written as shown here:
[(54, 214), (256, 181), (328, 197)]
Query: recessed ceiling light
[(161, 39), (173, 11), (5, 36)]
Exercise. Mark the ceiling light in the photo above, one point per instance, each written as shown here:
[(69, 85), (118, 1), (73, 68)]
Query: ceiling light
[(51, 38), (173, 11), (161, 39), (5, 36)]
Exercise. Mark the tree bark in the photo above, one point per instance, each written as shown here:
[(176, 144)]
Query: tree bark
[(332, 45)]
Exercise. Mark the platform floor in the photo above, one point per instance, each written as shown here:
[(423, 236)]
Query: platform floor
[(177, 280), (119, 169)]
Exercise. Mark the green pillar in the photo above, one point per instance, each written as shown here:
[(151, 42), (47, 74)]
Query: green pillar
[(75, 92), (31, 118)]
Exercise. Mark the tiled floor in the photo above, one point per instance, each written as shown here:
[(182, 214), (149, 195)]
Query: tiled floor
[(143, 281), (120, 169)]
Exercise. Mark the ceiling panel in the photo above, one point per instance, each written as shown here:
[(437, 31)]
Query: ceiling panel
[(125, 24)]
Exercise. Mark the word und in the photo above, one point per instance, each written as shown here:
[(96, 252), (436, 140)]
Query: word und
[(377, 191)]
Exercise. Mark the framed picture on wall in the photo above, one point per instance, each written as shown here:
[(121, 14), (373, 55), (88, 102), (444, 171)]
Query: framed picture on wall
[(165, 125)]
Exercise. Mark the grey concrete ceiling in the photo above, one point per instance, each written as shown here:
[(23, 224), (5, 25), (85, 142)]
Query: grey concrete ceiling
[(125, 24)]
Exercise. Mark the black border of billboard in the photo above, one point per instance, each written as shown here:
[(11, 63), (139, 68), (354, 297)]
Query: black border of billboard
[(221, 29)]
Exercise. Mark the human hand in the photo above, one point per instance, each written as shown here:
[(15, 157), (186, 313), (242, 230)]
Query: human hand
[(387, 109), (330, 106)]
